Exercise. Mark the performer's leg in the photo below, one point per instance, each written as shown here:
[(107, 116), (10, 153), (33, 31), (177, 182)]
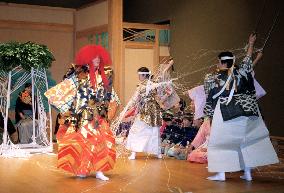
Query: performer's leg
[(159, 155), (226, 137), (81, 176), (220, 176), (100, 175), (257, 149), (132, 156), (247, 174)]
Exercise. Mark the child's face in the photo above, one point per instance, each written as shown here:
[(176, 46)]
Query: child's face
[(168, 122), (177, 106), (192, 107), (186, 123), (197, 123)]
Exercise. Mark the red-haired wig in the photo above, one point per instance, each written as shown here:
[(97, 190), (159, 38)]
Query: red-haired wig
[(86, 55)]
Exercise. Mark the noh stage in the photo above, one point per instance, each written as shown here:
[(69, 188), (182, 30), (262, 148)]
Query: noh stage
[(38, 174)]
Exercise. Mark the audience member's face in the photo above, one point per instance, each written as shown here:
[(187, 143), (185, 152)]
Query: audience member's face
[(177, 107), (96, 61), (192, 106), (197, 123), (29, 89), (186, 123), (169, 123)]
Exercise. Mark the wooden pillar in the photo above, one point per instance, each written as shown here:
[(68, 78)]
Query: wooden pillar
[(115, 35), (156, 49), (74, 34)]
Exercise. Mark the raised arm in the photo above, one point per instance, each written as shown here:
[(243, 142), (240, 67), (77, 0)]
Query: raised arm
[(252, 39), (171, 62), (246, 66), (258, 57)]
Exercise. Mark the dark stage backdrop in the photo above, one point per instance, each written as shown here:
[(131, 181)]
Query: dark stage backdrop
[(217, 25)]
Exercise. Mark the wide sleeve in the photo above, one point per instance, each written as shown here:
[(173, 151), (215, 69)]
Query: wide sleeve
[(109, 91), (209, 84), (62, 95), (246, 66)]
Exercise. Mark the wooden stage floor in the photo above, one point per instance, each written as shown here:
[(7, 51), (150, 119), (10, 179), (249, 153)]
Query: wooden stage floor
[(38, 174)]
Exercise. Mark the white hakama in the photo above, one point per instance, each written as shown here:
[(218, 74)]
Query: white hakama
[(238, 143), (143, 138)]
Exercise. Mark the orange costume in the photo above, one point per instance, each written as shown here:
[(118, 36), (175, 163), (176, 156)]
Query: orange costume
[(85, 141)]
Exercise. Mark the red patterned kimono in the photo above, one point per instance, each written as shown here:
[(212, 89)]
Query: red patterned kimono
[(91, 148), (85, 142)]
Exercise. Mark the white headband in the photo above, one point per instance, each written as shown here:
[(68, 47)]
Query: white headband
[(144, 73), (227, 58)]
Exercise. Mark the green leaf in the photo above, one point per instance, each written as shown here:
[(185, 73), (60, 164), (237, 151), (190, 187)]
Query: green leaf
[(28, 55)]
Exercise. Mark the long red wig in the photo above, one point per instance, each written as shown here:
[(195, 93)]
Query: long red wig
[(86, 55)]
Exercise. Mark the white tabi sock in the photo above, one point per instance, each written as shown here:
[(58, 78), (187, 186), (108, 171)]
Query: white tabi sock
[(247, 174), (81, 176), (132, 156), (160, 156), (101, 176), (220, 176)]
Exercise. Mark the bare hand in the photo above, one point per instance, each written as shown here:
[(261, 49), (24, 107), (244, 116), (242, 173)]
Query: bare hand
[(259, 54), (171, 62)]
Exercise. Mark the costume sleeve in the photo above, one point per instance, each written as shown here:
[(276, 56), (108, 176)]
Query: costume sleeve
[(209, 84), (114, 96), (245, 66), (70, 71), (109, 88)]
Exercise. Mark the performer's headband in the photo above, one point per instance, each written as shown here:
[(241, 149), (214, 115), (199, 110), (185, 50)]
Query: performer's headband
[(144, 73), (227, 58)]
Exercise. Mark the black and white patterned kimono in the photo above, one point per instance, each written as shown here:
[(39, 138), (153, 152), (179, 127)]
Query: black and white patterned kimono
[(239, 137)]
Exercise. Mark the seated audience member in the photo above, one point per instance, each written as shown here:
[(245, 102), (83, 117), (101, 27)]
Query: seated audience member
[(189, 128), (10, 128), (200, 142), (24, 114)]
